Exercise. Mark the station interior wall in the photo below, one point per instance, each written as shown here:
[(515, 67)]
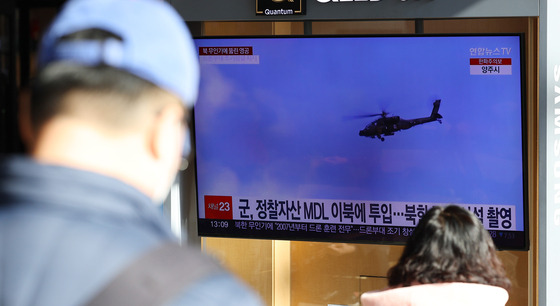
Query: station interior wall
[(301, 273)]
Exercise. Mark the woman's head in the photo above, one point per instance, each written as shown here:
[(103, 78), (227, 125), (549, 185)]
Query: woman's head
[(449, 245)]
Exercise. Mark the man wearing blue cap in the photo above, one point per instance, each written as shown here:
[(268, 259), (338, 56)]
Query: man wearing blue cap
[(105, 128)]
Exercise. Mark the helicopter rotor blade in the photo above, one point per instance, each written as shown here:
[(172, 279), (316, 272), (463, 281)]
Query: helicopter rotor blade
[(365, 116), (382, 114)]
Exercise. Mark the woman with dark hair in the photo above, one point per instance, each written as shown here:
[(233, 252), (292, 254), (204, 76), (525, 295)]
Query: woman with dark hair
[(450, 259)]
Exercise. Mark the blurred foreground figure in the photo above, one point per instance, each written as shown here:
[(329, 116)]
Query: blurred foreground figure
[(105, 128), (450, 259)]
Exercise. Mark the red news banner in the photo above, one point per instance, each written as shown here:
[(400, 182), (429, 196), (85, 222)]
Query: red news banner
[(490, 66), (227, 55)]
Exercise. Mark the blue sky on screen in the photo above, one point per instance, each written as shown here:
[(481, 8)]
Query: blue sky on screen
[(283, 127)]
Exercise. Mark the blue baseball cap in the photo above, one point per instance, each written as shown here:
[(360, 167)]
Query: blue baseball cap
[(156, 44)]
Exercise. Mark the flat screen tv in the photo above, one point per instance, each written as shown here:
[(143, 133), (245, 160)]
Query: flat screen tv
[(354, 138)]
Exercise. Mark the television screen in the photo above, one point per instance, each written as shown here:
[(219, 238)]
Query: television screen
[(353, 139)]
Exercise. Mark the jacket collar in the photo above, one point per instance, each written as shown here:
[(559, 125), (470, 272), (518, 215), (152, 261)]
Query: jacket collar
[(28, 182)]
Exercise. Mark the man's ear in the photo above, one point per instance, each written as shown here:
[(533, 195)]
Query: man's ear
[(24, 119), (167, 133)]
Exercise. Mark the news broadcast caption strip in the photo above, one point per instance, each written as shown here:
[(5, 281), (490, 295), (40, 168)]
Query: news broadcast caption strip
[(227, 55), (498, 217), (353, 220), (490, 61), (490, 66)]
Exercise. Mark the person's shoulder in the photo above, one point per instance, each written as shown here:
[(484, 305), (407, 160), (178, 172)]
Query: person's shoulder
[(222, 289), (455, 293), (388, 296)]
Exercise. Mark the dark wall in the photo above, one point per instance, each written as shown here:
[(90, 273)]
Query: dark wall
[(229, 10)]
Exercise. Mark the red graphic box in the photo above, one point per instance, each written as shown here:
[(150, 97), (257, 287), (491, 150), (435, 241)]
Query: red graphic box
[(218, 207)]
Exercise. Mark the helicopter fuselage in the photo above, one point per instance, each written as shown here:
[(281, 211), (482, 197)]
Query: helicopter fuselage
[(386, 126)]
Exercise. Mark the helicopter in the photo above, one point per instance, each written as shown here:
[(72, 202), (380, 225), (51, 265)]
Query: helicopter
[(387, 126)]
